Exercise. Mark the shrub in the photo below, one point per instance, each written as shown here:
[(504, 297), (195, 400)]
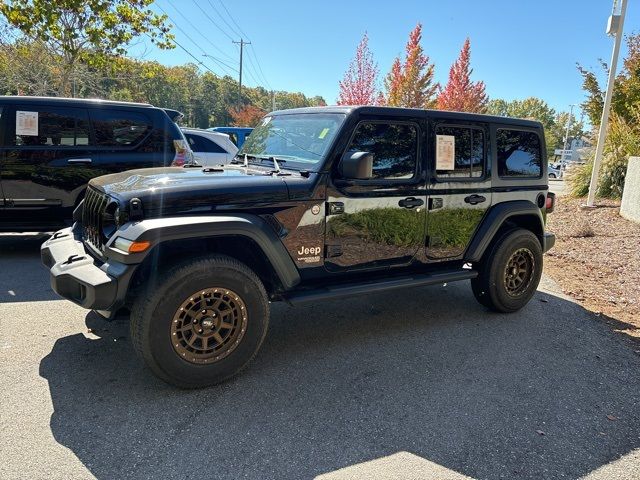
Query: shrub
[(623, 141)]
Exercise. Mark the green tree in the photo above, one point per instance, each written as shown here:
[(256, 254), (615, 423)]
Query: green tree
[(86, 31), (410, 83)]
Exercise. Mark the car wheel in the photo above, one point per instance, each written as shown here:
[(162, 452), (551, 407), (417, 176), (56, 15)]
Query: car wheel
[(552, 175), (510, 272), (202, 322)]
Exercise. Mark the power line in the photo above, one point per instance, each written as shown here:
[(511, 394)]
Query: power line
[(251, 50), (234, 21), (200, 33), (214, 22), (223, 19), (224, 65)]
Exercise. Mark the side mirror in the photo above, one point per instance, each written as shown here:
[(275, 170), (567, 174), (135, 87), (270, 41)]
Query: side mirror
[(356, 165)]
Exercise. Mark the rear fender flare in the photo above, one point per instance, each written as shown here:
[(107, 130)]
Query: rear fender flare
[(494, 219)]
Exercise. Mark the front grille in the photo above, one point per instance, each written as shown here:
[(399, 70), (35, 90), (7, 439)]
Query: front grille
[(95, 204)]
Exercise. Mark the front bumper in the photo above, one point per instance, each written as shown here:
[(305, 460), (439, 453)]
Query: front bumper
[(548, 241), (77, 276)]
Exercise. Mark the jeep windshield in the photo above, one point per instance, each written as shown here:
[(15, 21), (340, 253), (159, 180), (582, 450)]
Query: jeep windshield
[(301, 140)]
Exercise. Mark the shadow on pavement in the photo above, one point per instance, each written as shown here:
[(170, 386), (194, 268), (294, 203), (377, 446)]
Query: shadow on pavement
[(22, 276), (425, 371)]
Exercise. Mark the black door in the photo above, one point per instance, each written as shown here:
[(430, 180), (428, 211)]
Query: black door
[(460, 186), (46, 163), (378, 222)]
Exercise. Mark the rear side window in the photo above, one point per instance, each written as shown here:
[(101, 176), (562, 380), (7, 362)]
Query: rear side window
[(519, 153), (467, 150), (394, 147), (202, 144), (119, 128), (43, 126)]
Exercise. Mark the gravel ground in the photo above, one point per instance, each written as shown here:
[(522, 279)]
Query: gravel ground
[(596, 260), (421, 384)]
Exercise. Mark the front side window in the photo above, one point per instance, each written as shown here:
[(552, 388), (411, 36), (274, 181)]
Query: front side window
[(519, 153), (394, 147), (119, 128), (58, 127), (466, 152)]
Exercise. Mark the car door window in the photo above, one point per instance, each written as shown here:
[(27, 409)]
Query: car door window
[(44, 126), (468, 152), (119, 128), (394, 147), (202, 144)]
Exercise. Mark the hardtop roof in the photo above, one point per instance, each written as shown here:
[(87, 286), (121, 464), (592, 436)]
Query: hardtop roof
[(412, 112), (66, 100)]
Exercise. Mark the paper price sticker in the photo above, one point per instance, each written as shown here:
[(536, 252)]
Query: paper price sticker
[(323, 133), (27, 123), (445, 152)]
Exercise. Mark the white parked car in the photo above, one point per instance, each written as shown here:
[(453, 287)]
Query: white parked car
[(555, 171), (210, 148)]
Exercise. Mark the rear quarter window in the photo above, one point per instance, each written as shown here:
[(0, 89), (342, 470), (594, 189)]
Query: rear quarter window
[(519, 153), (120, 128)]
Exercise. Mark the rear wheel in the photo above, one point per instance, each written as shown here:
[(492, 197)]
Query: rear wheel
[(510, 272), (201, 322)]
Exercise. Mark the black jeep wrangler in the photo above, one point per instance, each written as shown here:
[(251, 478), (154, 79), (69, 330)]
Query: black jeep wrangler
[(320, 203)]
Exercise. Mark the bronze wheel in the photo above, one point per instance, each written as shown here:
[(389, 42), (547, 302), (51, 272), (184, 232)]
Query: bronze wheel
[(519, 272), (509, 272), (209, 325)]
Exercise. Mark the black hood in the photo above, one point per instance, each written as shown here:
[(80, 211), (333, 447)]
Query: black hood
[(173, 190)]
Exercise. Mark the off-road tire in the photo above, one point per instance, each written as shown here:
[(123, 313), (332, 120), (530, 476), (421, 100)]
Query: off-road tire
[(495, 287), (158, 306)]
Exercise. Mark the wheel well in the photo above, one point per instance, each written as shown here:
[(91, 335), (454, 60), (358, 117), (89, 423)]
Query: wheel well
[(527, 222), (167, 254)]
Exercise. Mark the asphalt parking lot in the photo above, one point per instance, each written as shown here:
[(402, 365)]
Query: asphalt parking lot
[(420, 384)]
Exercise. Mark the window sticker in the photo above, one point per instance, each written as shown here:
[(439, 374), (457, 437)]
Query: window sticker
[(27, 123), (445, 152), (323, 133)]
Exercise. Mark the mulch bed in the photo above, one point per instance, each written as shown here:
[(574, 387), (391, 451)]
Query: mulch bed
[(596, 259)]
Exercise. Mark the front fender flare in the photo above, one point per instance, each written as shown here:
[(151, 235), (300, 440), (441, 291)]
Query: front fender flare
[(159, 230)]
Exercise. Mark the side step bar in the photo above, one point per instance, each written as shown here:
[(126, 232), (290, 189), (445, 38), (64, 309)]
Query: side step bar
[(349, 289)]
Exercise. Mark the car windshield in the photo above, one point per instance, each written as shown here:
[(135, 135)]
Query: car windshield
[(301, 139)]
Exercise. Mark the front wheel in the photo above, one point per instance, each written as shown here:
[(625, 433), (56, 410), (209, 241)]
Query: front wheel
[(510, 272), (201, 322)]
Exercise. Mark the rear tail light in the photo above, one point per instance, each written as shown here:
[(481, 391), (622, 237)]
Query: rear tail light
[(550, 204)]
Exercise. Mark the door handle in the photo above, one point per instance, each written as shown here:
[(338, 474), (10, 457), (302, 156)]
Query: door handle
[(410, 202), (79, 160), (474, 199)]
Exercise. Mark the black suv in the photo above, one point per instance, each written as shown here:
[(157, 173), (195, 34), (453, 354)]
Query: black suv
[(320, 203), (51, 147)]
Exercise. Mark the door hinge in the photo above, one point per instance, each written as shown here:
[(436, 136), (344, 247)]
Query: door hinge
[(435, 203), (335, 208)]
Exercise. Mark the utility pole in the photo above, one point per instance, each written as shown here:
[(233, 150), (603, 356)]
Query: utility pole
[(614, 27), (566, 137), (273, 100), (242, 43)]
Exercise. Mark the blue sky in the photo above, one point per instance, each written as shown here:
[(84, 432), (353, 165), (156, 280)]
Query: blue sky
[(518, 48)]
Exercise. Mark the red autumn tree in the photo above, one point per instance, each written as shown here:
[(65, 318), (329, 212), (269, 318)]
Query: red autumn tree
[(358, 87), (461, 94), (247, 116), (410, 84)]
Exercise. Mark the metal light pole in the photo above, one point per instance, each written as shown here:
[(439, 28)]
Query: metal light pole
[(566, 136), (614, 27)]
